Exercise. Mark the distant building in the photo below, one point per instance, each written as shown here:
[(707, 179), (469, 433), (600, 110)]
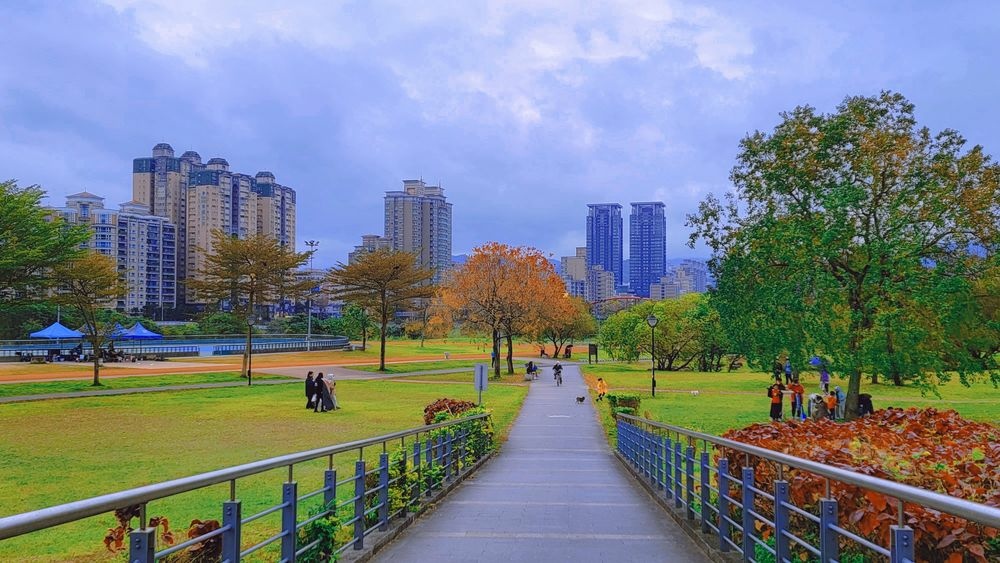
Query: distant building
[(369, 243), (605, 238), (418, 220), (647, 246), (697, 272), (201, 197), (574, 272), (143, 246), (690, 276), (600, 284)]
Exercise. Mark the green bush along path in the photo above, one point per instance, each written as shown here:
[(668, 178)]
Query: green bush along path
[(52, 452)]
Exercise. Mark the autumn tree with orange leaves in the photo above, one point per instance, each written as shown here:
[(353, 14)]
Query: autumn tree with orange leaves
[(503, 290), (564, 321)]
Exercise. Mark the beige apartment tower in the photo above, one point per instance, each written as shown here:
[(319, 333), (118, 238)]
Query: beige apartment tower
[(418, 220)]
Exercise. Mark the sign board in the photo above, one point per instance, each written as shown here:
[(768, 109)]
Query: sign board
[(480, 380), (591, 352)]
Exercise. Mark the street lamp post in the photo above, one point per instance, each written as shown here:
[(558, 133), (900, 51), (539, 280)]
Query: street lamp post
[(652, 320), (312, 244)]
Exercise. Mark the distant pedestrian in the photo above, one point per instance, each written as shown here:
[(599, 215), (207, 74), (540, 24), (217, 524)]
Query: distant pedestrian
[(841, 401), (774, 392), (797, 394), (332, 385), (788, 371), (824, 378), (310, 391), (602, 388), (831, 405), (324, 402), (776, 369)]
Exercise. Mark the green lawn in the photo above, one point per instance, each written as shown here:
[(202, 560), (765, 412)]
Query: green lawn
[(13, 389), (53, 452), (734, 400), (420, 366)]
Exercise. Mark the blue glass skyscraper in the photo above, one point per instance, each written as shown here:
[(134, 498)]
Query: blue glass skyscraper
[(605, 239), (647, 246)]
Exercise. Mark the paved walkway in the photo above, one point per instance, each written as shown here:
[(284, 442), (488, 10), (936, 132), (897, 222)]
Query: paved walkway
[(554, 493)]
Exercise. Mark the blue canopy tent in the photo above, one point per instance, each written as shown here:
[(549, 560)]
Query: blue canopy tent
[(139, 332), (56, 331)]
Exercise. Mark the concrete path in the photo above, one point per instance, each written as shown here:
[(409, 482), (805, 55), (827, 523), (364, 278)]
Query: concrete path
[(554, 493)]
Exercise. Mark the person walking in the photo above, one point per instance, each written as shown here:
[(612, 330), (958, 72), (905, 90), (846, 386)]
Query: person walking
[(324, 402), (788, 371), (774, 392), (602, 388), (824, 378), (310, 391)]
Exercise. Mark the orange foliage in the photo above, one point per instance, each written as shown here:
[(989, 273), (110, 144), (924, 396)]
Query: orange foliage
[(938, 451)]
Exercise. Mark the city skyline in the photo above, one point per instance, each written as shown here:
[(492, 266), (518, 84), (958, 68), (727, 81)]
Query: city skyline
[(522, 112)]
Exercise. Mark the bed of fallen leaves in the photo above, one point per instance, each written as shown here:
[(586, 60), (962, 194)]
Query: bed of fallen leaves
[(935, 450)]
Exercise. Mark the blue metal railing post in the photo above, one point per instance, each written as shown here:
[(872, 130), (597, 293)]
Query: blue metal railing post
[(330, 488), (782, 522), (661, 446), (900, 544), (647, 458), (383, 492), (462, 437), (678, 469), (440, 457), (690, 482), (658, 446), (705, 497), (418, 470), (723, 504), (359, 504), (746, 506), (232, 517), (430, 464), (289, 514), (446, 456), (142, 546), (668, 449), (829, 543)]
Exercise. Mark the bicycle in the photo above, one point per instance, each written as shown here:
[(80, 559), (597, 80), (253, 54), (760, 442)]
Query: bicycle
[(558, 379)]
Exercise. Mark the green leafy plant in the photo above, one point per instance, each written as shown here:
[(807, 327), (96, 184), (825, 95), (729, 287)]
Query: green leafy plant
[(630, 400), (325, 531)]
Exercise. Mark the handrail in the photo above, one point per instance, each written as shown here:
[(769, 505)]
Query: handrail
[(974, 512), (18, 524)]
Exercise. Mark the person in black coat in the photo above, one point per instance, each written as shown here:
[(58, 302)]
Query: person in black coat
[(310, 391), (325, 401)]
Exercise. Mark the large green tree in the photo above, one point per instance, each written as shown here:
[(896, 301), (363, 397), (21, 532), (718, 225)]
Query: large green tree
[(32, 241), (89, 285), (384, 281), (857, 235), (246, 276)]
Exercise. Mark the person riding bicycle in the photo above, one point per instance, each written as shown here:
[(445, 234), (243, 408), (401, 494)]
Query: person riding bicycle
[(557, 373)]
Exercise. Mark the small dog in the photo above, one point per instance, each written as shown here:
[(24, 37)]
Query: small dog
[(581, 399), (695, 393)]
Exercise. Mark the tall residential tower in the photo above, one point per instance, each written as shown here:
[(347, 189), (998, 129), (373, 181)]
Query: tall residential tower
[(418, 220), (604, 238), (647, 246)]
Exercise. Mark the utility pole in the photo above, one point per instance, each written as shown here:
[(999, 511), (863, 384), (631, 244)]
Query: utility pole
[(312, 244)]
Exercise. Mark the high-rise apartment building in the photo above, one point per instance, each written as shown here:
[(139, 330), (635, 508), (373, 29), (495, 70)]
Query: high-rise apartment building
[(202, 197), (418, 220), (605, 239), (600, 284), (574, 272), (143, 246), (647, 246), (697, 272), (369, 243)]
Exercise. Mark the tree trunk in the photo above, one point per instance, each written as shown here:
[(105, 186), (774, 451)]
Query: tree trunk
[(247, 350), (874, 378), (364, 336), (496, 353), (97, 364), (381, 352), (510, 355)]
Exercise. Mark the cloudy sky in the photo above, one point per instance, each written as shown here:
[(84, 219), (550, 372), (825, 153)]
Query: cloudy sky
[(525, 111)]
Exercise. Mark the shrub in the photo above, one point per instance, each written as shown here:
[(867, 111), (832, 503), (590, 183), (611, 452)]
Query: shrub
[(323, 529), (938, 451), (450, 406), (623, 410), (629, 400)]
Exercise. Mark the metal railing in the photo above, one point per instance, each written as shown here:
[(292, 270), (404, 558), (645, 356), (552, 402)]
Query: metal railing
[(297, 346), (742, 515), (426, 460)]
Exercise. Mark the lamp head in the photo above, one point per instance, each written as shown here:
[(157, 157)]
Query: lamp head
[(652, 320)]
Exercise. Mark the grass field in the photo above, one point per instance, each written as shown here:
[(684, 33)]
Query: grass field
[(734, 400), (53, 452), (13, 389)]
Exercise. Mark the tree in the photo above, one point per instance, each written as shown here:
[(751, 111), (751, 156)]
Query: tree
[(565, 320), (848, 232), (357, 323), (221, 322), (88, 285), (384, 281), (248, 275), (503, 289), (32, 242)]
